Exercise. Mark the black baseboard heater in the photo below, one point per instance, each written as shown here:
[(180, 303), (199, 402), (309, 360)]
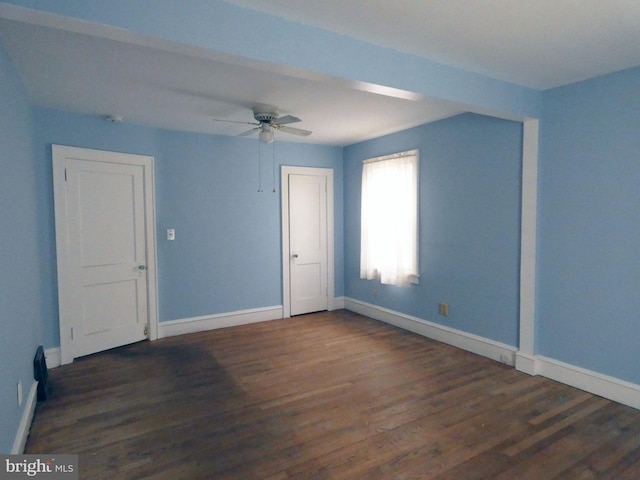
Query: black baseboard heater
[(41, 374)]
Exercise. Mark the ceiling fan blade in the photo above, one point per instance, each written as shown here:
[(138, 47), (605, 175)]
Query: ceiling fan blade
[(285, 120), (249, 132), (294, 131), (234, 121)]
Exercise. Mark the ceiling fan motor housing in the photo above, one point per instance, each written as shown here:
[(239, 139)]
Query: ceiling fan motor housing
[(265, 113), (268, 117)]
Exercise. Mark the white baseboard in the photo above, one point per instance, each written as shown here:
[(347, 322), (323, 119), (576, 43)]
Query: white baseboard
[(467, 341), (25, 422), (222, 320), (605, 386), (527, 363), (52, 357), (337, 303)]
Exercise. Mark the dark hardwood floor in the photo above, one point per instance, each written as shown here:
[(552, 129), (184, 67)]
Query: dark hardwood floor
[(325, 396)]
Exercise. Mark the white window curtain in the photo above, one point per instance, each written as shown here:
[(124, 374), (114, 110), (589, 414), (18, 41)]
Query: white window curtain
[(389, 228)]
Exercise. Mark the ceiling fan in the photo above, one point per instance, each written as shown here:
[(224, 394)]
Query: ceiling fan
[(268, 121)]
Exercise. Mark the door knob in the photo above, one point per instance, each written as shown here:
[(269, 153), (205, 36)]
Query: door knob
[(294, 256), (142, 267)]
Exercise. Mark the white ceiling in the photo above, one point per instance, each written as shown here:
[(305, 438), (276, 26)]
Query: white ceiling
[(148, 85), (537, 43)]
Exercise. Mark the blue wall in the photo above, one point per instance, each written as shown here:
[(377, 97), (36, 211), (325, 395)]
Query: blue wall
[(589, 233), (226, 256), (470, 182), (227, 252), (21, 312)]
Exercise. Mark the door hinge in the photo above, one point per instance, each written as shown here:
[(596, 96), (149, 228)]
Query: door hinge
[(71, 333), (65, 174), (146, 331)]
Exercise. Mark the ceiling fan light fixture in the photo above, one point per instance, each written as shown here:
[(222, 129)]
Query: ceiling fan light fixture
[(266, 134)]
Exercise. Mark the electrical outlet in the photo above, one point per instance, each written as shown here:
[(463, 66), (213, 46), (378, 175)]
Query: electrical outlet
[(444, 309), (19, 393)]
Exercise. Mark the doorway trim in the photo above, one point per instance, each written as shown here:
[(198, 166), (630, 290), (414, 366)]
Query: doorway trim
[(286, 274), (59, 155)]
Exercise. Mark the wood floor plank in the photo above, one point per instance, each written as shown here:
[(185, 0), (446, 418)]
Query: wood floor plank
[(577, 444), (555, 427), (332, 395)]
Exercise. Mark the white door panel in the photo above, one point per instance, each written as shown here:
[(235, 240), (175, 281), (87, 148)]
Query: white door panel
[(107, 306), (102, 250), (308, 243), (107, 205), (105, 212)]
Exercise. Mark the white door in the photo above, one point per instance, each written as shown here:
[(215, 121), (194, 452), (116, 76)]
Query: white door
[(101, 214), (309, 241)]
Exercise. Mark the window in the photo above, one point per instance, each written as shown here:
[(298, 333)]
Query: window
[(389, 223)]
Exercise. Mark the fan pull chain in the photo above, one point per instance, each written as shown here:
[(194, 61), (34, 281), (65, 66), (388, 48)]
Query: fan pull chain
[(274, 167), (259, 171)]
